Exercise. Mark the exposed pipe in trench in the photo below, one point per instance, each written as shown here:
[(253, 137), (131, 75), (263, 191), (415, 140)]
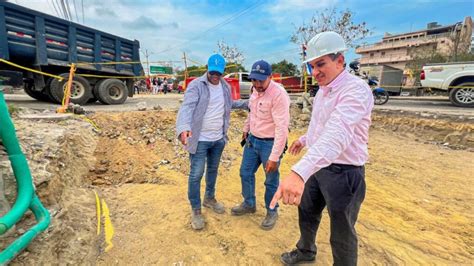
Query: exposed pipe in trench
[(26, 197)]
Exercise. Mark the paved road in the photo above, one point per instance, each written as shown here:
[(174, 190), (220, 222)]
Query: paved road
[(171, 101), (426, 104)]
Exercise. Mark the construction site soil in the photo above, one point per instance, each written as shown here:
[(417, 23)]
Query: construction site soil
[(418, 207)]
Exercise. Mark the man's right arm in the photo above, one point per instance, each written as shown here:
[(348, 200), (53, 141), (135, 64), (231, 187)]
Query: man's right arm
[(186, 111)]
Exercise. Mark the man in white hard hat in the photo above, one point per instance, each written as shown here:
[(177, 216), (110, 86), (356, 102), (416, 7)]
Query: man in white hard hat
[(331, 173)]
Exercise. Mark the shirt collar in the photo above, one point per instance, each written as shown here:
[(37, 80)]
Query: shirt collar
[(335, 83)]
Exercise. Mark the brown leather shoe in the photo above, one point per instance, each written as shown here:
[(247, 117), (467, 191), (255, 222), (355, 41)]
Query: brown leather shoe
[(242, 209), (197, 220), (213, 204)]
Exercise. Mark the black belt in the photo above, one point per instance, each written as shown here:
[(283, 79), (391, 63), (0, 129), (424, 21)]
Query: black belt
[(337, 168), (264, 139)]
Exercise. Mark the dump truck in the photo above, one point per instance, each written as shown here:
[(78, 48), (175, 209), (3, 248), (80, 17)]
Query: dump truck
[(45, 43)]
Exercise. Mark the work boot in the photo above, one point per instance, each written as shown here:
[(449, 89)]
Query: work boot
[(270, 220), (197, 220), (213, 204), (242, 209), (296, 257)]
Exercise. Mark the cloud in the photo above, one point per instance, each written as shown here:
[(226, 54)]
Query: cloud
[(103, 11), (146, 23), (285, 6)]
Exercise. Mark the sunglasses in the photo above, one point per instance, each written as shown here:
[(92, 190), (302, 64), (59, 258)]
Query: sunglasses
[(215, 73)]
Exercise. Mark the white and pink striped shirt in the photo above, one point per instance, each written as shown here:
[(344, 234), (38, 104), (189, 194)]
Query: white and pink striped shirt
[(339, 127)]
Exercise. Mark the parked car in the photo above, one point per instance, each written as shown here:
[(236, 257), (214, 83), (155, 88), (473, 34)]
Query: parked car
[(455, 78), (245, 85)]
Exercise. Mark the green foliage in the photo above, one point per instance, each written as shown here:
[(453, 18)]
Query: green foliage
[(285, 68)]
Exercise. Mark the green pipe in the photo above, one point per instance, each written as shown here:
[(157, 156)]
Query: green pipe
[(43, 218), (20, 169), (25, 195)]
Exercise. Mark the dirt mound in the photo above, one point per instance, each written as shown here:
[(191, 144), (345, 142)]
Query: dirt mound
[(456, 132), (136, 147)]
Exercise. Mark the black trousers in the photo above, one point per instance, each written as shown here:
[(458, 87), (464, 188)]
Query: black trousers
[(342, 189)]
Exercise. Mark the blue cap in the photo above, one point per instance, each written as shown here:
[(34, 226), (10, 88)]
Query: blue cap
[(216, 62), (260, 70)]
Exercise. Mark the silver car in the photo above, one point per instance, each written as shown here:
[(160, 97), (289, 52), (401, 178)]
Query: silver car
[(245, 84)]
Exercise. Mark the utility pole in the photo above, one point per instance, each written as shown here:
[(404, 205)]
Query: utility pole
[(185, 70), (146, 54)]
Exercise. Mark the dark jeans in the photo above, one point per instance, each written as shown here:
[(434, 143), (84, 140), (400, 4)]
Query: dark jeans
[(342, 189), (210, 152), (256, 153)]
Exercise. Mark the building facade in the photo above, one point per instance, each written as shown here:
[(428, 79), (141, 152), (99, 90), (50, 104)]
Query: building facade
[(398, 50)]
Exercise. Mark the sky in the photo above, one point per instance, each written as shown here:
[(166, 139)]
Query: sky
[(261, 29)]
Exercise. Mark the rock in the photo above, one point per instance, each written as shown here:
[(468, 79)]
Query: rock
[(157, 108), (164, 162), (305, 117), (306, 111), (141, 106), (101, 170), (104, 161)]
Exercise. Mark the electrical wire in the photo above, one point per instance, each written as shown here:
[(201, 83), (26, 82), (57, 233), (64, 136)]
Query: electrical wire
[(66, 3), (223, 23), (75, 10)]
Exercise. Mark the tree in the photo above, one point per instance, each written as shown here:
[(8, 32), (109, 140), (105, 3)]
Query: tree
[(285, 68), (193, 71), (331, 20), (231, 54)]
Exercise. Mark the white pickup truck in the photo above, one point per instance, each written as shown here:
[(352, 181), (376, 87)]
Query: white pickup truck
[(455, 78), (245, 84)]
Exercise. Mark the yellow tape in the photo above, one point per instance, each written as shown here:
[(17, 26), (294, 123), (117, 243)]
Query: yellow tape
[(108, 227), (97, 206), (88, 120), (30, 69)]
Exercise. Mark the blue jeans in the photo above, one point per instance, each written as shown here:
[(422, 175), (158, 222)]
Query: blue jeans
[(210, 152), (256, 153)]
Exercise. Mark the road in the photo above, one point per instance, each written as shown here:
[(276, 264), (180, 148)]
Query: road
[(439, 105)]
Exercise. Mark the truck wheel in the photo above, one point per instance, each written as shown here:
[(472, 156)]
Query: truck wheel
[(112, 91), (463, 96), (95, 90), (38, 95), (81, 90)]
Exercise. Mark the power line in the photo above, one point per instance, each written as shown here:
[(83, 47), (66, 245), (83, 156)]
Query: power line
[(63, 7), (66, 3), (82, 4), (75, 10), (53, 8), (57, 8), (226, 21)]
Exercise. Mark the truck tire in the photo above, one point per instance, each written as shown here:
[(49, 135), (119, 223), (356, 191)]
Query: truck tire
[(95, 90), (112, 91), (463, 96), (38, 95), (81, 90)]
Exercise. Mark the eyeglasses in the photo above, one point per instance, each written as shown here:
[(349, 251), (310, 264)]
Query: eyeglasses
[(215, 73)]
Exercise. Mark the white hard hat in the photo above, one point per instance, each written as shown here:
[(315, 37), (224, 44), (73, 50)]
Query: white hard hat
[(324, 43)]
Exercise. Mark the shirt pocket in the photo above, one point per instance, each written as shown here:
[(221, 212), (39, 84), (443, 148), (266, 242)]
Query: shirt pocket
[(264, 110)]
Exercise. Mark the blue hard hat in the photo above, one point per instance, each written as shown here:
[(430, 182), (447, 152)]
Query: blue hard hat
[(216, 62)]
